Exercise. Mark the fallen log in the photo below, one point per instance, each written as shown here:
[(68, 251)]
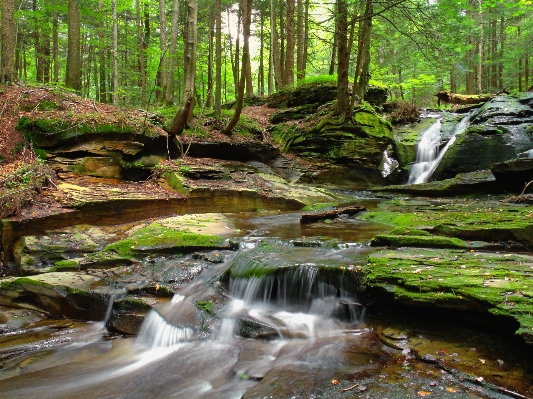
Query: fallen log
[(332, 214), (462, 99)]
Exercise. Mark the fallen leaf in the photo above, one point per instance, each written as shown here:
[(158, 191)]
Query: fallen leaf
[(157, 287), (334, 382), (424, 393), (451, 390)]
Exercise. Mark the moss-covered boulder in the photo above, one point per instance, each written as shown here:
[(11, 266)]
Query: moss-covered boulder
[(60, 295), (128, 314), (358, 142), (38, 254), (498, 132), (478, 282), (412, 237), (472, 220)]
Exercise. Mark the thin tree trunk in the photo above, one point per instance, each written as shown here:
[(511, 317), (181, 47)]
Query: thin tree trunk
[(480, 49), (172, 52), (162, 68), (218, 60), (141, 57), (306, 38), (500, 64), (274, 49), (362, 70), (182, 116), (494, 56), (246, 16), (210, 56), (115, 51), (55, 46), (333, 59), (343, 57), (101, 54), (73, 75), (261, 74), (526, 71), (8, 42), (300, 71)]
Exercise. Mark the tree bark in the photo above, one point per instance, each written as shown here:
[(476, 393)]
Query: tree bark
[(55, 46), (162, 67), (8, 41), (73, 75), (289, 52), (218, 60), (246, 16), (172, 52), (101, 54), (182, 116), (210, 57), (300, 70), (261, 74), (114, 96), (343, 57), (362, 69), (274, 47)]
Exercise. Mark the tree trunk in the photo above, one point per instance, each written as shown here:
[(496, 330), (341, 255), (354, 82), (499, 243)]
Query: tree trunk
[(141, 57), (362, 70), (261, 74), (101, 53), (115, 51), (247, 17), (480, 49), (73, 75), (8, 42), (218, 60), (333, 59), (210, 56), (55, 46), (180, 120), (162, 68), (500, 64), (274, 47), (343, 57), (494, 56), (300, 70), (172, 52), (306, 37), (526, 71), (518, 32), (289, 53)]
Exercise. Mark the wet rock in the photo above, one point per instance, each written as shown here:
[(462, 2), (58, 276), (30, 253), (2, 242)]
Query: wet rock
[(499, 131), (253, 329), (57, 294), (514, 174), (243, 152), (128, 315)]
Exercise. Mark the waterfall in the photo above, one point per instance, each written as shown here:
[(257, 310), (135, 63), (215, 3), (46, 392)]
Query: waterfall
[(157, 332), (428, 155)]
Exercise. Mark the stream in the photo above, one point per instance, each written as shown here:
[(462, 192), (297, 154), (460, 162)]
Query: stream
[(294, 334)]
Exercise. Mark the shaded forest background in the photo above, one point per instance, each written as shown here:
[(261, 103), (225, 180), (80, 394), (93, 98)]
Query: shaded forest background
[(145, 53)]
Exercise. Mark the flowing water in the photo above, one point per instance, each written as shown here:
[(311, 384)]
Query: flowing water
[(287, 328), (429, 154)]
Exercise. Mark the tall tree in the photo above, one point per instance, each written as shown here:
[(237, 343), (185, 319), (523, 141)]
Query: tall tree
[(275, 67), (73, 75), (172, 51), (8, 41), (114, 96), (343, 57), (288, 76), (218, 59), (182, 116), (246, 23), (162, 74)]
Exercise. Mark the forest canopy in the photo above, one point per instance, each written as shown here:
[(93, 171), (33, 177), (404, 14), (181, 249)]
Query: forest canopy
[(150, 53)]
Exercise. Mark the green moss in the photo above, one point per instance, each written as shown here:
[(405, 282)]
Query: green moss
[(176, 181), (65, 265), (469, 221), (418, 241), (207, 307), (155, 237), (319, 206), (457, 279)]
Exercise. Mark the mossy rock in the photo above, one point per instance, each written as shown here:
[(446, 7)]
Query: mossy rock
[(60, 295), (467, 221), (156, 238), (405, 237), (457, 279), (47, 132)]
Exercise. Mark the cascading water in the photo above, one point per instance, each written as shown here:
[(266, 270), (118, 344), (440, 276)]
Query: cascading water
[(428, 155)]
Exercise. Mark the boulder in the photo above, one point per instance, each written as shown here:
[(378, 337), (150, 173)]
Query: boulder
[(500, 131)]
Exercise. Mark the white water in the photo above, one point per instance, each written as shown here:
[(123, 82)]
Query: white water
[(428, 156)]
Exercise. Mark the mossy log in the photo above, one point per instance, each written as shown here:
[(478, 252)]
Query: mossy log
[(447, 97), (331, 214)]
